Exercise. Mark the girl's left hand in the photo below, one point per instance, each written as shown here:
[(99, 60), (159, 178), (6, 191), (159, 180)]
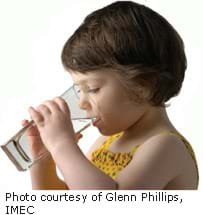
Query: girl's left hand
[(53, 121)]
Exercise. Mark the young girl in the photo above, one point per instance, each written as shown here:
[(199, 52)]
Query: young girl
[(126, 62)]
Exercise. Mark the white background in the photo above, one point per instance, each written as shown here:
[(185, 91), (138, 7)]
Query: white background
[(32, 34)]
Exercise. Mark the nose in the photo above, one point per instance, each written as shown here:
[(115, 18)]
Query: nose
[(84, 102)]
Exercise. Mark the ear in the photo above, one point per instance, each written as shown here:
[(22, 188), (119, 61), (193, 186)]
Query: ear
[(141, 94)]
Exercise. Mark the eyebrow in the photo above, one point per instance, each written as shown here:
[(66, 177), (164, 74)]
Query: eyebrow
[(85, 81)]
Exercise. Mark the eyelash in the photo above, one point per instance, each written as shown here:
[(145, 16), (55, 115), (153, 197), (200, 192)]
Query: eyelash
[(93, 90), (89, 91)]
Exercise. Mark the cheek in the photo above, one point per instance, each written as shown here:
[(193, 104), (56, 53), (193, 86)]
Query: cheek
[(113, 119), (110, 101), (111, 105), (120, 118)]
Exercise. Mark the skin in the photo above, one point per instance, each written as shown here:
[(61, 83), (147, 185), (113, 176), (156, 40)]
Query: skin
[(103, 96)]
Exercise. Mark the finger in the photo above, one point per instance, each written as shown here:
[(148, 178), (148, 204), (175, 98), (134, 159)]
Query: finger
[(62, 104), (44, 110), (52, 105), (79, 136), (36, 116), (32, 131), (24, 122)]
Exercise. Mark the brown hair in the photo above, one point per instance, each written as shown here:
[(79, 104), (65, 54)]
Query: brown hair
[(135, 41)]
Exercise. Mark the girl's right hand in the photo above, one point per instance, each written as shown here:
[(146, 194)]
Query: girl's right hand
[(36, 145)]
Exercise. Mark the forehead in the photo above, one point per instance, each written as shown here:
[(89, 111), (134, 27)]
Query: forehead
[(95, 76)]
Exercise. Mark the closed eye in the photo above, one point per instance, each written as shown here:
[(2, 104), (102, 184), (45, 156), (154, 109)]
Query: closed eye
[(78, 90), (93, 90)]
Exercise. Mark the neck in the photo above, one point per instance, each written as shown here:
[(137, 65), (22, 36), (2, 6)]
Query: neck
[(154, 120)]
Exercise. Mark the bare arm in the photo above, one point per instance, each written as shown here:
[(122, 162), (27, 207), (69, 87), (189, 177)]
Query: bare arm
[(79, 172), (155, 164), (44, 175)]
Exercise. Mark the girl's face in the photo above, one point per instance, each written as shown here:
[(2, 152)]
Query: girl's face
[(103, 96)]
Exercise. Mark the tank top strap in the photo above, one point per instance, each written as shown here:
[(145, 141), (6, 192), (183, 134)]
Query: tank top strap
[(186, 143), (110, 139), (134, 149), (188, 146)]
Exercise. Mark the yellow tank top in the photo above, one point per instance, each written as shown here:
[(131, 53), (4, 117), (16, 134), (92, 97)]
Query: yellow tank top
[(112, 163)]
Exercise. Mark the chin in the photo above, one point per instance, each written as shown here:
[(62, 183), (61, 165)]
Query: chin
[(108, 132)]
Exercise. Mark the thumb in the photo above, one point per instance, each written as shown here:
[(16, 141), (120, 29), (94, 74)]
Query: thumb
[(32, 131), (79, 136), (24, 122)]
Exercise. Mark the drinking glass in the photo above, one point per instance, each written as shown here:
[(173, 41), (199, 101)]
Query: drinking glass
[(17, 148)]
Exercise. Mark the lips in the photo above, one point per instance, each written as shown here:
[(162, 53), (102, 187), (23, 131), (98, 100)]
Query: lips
[(94, 119), (95, 122)]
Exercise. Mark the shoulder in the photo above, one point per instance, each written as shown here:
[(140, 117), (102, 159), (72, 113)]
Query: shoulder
[(156, 162), (160, 143), (100, 140)]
